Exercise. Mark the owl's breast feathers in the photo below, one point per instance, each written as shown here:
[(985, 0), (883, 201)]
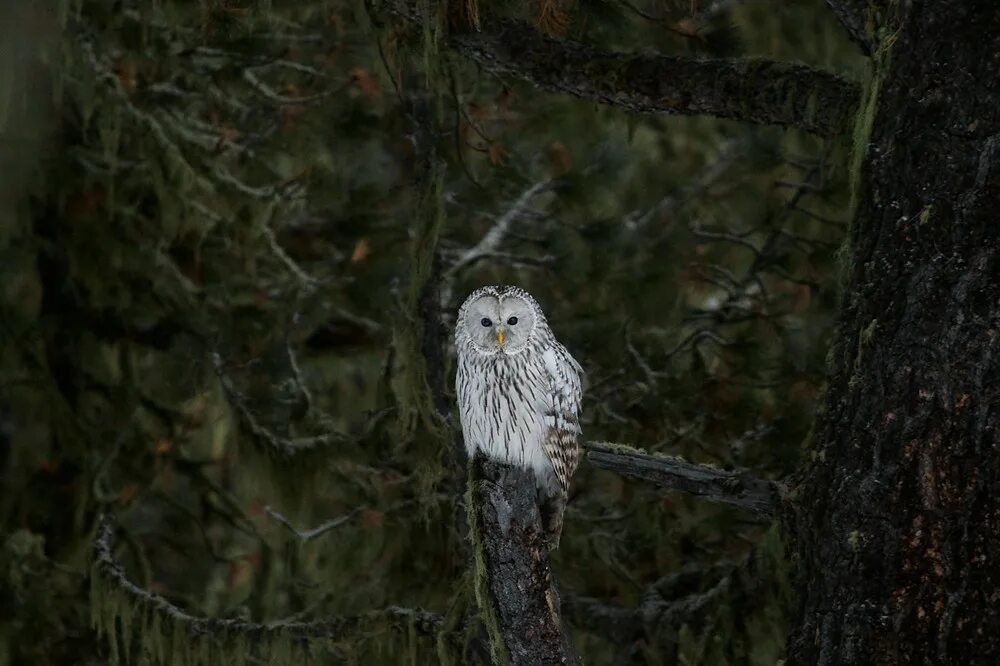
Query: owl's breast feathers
[(523, 408)]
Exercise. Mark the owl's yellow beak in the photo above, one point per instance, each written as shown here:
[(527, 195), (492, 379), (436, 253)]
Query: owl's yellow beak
[(500, 338)]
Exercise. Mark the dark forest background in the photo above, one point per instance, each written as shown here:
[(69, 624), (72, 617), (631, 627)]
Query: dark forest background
[(233, 236)]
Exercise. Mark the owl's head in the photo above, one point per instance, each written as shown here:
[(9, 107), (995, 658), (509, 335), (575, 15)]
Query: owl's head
[(499, 319)]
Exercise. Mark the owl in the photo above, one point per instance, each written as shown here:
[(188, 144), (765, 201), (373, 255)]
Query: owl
[(519, 392)]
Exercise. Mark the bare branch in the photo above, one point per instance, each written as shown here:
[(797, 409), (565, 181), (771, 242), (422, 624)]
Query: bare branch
[(489, 245), (736, 488), (667, 604), (310, 534), (262, 436), (269, 93), (334, 523), (852, 14), (494, 237), (751, 89)]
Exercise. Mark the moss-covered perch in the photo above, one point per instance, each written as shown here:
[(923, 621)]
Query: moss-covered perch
[(514, 586), (736, 488)]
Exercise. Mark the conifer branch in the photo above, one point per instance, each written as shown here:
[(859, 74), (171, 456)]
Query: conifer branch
[(117, 602), (686, 597), (754, 90), (735, 488), (263, 437)]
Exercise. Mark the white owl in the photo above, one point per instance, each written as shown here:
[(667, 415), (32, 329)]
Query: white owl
[(519, 391)]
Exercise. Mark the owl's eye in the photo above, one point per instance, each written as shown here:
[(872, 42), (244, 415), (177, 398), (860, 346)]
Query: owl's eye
[(485, 321), (512, 321)]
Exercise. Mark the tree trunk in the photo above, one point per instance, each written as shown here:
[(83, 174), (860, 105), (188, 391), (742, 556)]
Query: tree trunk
[(899, 519), (514, 585)]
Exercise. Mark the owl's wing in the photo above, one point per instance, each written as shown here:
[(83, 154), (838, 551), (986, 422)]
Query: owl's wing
[(563, 418)]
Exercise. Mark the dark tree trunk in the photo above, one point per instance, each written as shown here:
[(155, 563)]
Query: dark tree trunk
[(899, 523), (514, 585)]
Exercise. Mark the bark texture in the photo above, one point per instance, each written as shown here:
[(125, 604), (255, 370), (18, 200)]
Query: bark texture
[(853, 15), (735, 488), (749, 89), (756, 90), (900, 521), (514, 585)]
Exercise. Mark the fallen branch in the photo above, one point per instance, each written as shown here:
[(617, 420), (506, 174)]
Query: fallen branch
[(514, 586), (736, 488)]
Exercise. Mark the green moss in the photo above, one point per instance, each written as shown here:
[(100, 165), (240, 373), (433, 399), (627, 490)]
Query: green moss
[(480, 582), (620, 448), (454, 619), (863, 124)]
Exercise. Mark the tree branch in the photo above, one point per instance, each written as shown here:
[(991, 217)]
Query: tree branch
[(116, 601), (852, 15), (279, 447), (748, 89), (686, 597), (514, 586), (739, 488)]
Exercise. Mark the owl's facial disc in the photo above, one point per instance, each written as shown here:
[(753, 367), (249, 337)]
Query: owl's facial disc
[(515, 322), (500, 325)]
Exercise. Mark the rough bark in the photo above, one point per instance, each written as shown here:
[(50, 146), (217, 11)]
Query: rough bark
[(900, 521), (853, 15), (754, 90), (514, 586), (735, 488), (748, 89)]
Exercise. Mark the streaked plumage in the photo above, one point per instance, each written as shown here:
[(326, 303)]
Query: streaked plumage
[(518, 389)]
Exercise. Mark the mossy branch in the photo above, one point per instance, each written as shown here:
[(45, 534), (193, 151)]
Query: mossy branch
[(515, 589), (735, 488), (748, 89), (122, 612)]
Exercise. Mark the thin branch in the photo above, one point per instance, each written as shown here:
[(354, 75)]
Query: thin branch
[(737, 488), (852, 14), (665, 605), (310, 534), (752, 89), (334, 523), (269, 93), (262, 436), (490, 243)]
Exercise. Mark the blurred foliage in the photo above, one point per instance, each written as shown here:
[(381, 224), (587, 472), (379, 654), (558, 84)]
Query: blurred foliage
[(222, 228)]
